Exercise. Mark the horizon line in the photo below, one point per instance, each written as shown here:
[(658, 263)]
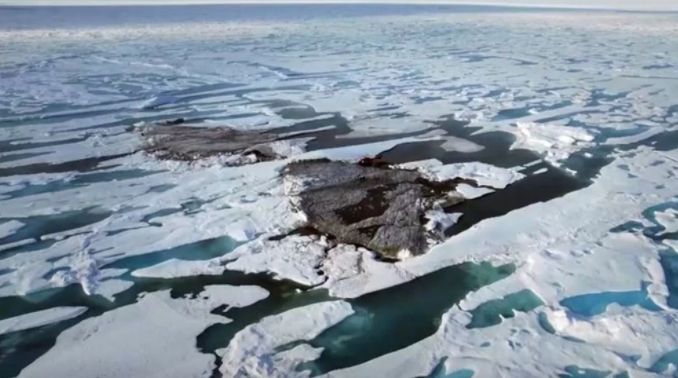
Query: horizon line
[(655, 6)]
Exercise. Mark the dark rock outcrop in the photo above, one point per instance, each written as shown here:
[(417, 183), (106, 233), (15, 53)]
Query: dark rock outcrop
[(370, 203), (178, 142)]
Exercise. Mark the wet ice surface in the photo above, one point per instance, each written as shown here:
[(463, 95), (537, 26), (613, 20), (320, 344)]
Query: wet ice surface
[(562, 260)]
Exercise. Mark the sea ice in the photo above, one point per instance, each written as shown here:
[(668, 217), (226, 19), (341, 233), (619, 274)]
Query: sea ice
[(471, 192), (296, 258), (139, 339), (593, 85), (253, 352), (39, 319), (10, 227), (483, 174), (555, 141), (174, 268)]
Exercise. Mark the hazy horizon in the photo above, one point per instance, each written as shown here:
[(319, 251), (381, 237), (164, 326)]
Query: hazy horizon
[(650, 5)]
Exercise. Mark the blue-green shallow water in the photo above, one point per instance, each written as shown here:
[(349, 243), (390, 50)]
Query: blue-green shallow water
[(394, 318), (439, 371), (492, 312), (19, 349)]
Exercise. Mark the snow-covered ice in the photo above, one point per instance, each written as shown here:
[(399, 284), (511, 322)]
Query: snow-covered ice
[(8, 228), (482, 174), (471, 192), (39, 319), (252, 352), (494, 97), (555, 141), (175, 268), (296, 258), (143, 338)]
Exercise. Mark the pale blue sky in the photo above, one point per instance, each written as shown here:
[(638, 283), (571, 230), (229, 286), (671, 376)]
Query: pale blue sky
[(614, 4)]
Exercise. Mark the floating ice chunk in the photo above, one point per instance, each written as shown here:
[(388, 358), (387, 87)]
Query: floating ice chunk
[(20, 243), (422, 164), (9, 228), (483, 174), (237, 296), (555, 141), (139, 339), (109, 288), (175, 268), (667, 219), (39, 319), (295, 258), (471, 192), (357, 152), (252, 351), (460, 145)]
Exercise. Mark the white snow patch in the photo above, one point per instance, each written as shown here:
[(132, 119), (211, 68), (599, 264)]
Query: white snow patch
[(16, 244), (236, 296), (471, 192), (556, 142), (667, 219), (483, 174), (10, 227), (460, 145), (39, 319), (252, 353), (139, 339), (175, 268), (295, 258)]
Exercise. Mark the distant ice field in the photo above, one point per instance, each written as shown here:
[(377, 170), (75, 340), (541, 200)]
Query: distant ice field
[(55, 16), (560, 126)]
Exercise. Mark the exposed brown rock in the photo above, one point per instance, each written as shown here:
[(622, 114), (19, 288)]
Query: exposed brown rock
[(369, 203), (173, 140)]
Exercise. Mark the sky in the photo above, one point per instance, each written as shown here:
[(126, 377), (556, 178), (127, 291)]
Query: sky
[(612, 4)]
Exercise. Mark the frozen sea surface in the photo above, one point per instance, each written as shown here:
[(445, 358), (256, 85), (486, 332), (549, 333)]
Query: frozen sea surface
[(562, 262)]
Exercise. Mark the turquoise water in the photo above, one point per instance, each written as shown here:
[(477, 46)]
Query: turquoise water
[(661, 366), (597, 303), (440, 372), (37, 226), (394, 318), (492, 312)]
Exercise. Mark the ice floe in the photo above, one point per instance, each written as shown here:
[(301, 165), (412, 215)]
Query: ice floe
[(253, 352), (556, 142), (296, 258), (117, 343), (39, 319)]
